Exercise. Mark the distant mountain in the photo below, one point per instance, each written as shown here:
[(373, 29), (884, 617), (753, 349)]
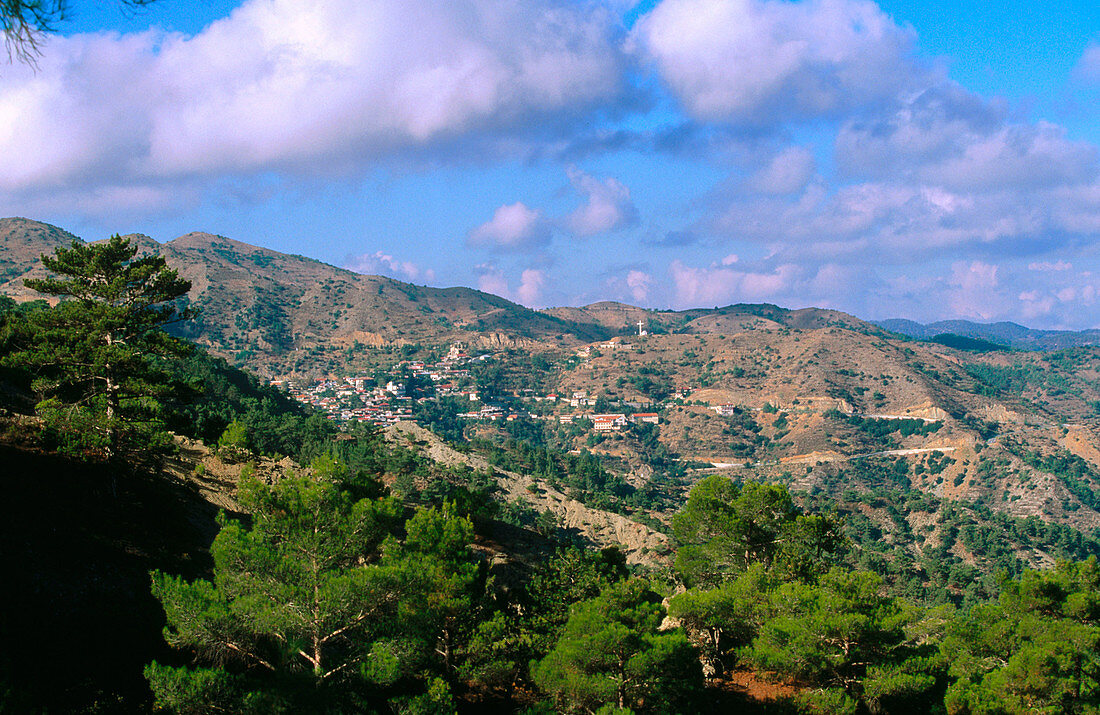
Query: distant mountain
[(1005, 333), (624, 319), (286, 314)]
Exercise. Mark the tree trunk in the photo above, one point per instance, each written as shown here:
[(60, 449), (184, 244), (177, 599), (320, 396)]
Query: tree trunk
[(112, 406), (112, 411)]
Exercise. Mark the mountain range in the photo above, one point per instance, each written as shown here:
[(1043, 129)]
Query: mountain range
[(1005, 333), (285, 314), (807, 394)]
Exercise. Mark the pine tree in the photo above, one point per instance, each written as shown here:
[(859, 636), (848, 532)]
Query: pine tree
[(294, 609), (725, 528), (612, 651), (317, 606), (94, 355)]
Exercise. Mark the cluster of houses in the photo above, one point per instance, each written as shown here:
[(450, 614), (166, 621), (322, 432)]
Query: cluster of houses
[(349, 399), (356, 399), (612, 422)]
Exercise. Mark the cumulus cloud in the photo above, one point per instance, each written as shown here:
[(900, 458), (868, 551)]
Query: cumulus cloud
[(491, 279), (285, 85), (629, 284), (720, 283), (607, 206), (381, 263), (639, 283), (1054, 298), (514, 227), (1088, 66), (756, 61), (973, 290), (1058, 304), (943, 169), (529, 291), (788, 172), (518, 227), (635, 285), (1065, 313), (950, 138)]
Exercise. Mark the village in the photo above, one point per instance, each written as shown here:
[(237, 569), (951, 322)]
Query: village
[(361, 399)]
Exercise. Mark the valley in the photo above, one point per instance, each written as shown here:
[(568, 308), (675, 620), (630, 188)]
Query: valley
[(946, 465)]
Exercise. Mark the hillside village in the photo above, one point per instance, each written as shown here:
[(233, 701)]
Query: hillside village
[(352, 399)]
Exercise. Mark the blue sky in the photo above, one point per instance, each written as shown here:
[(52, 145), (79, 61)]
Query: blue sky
[(903, 159)]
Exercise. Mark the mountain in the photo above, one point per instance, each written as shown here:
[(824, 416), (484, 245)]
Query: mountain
[(624, 319), (286, 314), (1005, 333), (22, 244), (811, 391), (945, 466), (809, 403)]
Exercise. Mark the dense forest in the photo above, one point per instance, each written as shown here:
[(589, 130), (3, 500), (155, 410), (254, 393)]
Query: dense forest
[(367, 578)]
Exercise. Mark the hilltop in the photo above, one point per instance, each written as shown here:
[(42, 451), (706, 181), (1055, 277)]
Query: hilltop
[(833, 410), (624, 319), (285, 314)]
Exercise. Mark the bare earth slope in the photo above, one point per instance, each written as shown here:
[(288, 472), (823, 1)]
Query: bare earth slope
[(286, 314)]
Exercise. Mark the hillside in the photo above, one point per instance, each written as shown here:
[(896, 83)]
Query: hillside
[(624, 319), (826, 402), (744, 453), (900, 436), (22, 243), (285, 314)]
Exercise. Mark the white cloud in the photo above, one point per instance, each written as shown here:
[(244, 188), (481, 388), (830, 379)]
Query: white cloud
[(491, 279), (318, 86), (1052, 304), (765, 61), (719, 284), (788, 172), (514, 227), (529, 292), (381, 263), (975, 290), (607, 205), (1088, 66), (639, 283), (951, 138), (625, 284)]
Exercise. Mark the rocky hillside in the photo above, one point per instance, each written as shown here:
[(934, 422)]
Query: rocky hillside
[(820, 399), (593, 526), (849, 413), (285, 314)]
